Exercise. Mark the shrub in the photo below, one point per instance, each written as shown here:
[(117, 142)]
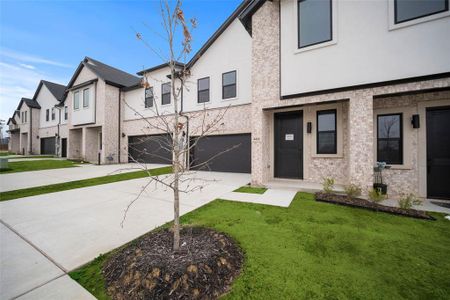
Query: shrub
[(375, 195), (353, 190), (408, 200), (328, 185)]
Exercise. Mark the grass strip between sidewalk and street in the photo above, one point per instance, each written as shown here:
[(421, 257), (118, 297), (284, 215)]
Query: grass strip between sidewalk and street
[(58, 187), (37, 165)]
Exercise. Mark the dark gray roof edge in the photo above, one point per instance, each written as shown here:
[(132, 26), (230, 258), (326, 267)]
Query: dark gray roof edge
[(50, 86), (246, 16), (218, 32), (29, 102), (177, 64)]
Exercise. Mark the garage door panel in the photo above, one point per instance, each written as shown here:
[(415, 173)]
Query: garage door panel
[(222, 153), (150, 149), (48, 145)]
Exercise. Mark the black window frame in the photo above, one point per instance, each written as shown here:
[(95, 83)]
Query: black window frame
[(324, 112), (208, 89), (228, 85), (418, 17), (298, 26), (47, 115), (163, 94), (148, 104), (400, 138), (53, 114), (66, 112)]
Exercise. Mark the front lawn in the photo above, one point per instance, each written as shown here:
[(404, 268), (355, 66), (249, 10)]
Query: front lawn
[(58, 187), (37, 165), (250, 190), (314, 250)]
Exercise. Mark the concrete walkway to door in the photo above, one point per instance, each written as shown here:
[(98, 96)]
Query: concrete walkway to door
[(44, 237)]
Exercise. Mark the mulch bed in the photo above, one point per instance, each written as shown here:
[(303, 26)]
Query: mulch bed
[(205, 267), (362, 203)]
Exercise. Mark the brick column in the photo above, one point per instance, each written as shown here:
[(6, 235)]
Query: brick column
[(265, 84), (361, 141)]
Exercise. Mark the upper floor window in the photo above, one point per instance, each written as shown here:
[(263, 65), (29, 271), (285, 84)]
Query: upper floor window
[(148, 102), (76, 100), (407, 10), (24, 117), (86, 98), (53, 114), (47, 115), (66, 113), (165, 93), (326, 132), (203, 90), (229, 85), (390, 139), (314, 22)]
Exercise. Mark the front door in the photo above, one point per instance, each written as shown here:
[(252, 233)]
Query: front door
[(64, 147), (289, 144), (438, 152)]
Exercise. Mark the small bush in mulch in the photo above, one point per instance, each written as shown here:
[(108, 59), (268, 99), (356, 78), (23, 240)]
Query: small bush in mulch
[(362, 203), (148, 268)]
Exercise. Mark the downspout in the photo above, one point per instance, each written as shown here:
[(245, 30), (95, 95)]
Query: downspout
[(31, 130), (187, 128), (59, 137), (119, 125)]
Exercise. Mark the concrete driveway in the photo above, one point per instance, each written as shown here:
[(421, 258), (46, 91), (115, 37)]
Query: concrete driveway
[(22, 180), (45, 236)]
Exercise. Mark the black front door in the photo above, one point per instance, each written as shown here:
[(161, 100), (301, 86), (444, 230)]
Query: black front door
[(289, 144), (64, 147), (438, 152)]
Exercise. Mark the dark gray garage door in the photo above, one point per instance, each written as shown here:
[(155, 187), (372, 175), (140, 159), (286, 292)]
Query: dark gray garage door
[(236, 160), (48, 145), (149, 149)]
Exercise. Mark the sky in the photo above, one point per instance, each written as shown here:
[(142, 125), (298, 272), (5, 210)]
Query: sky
[(42, 39)]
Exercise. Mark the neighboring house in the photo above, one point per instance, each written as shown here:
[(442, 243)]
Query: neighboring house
[(52, 122), (311, 89), (94, 108), (23, 129)]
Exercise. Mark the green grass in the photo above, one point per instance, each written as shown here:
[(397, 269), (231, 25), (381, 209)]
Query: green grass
[(251, 190), (314, 250), (5, 153), (37, 165), (58, 187)]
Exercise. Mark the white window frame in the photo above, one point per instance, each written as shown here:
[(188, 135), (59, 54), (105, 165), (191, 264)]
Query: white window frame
[(74, 98), (88, 98), (334, 31), (419, 20)]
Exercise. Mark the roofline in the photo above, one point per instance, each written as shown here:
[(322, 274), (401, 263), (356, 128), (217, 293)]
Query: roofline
[(163, 65), (246, 16), (218, 32)]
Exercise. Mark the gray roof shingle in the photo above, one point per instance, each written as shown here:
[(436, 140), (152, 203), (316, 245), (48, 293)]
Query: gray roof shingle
[(110, 74)]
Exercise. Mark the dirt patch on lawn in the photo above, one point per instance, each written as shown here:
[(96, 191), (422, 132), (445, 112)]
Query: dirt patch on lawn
[(362, 203), (148, 268)]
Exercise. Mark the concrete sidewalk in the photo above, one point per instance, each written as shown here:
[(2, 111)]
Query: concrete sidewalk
[(73, 227), (22, 180)]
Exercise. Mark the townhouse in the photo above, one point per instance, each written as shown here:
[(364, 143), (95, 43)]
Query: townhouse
[(309, 89)]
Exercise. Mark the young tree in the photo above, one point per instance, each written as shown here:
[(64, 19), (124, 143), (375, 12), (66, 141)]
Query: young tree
[(172, 125)]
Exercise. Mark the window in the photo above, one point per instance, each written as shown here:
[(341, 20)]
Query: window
[(47, 115), (165, 90), (76, 100), (229, 85), (326, 132), (407, 10), (25, 116), (86, 98), (148, 102), (203, 90), (66, 113), (314, 22), (390, 139), (53, 114)]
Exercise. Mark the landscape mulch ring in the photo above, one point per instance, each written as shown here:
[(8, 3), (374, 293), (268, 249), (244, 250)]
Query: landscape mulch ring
[(362, 203), (148, 268)]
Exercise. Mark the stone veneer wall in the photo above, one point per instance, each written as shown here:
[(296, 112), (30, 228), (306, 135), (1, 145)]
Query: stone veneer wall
[(406, 180)]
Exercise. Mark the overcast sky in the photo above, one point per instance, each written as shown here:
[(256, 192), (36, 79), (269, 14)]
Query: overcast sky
[(48, 39)]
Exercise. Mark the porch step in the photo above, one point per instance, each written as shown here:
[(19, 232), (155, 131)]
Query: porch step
[(300, 185)]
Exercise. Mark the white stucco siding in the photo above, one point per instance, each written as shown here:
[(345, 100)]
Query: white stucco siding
[(133, 101), (366, 48), (47, 101), (230, 52)]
